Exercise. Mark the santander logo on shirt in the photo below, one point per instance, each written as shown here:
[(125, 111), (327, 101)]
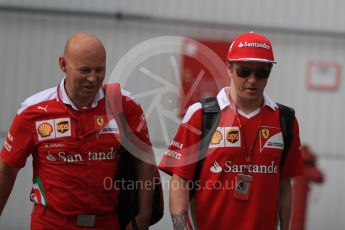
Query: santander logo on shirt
[(215, 168), (77, 157), (228, 167)]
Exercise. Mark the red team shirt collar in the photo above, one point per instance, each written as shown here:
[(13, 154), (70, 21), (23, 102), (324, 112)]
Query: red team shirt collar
[(62, 95)]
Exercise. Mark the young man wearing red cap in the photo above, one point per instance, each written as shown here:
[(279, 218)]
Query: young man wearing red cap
[(240, 182)]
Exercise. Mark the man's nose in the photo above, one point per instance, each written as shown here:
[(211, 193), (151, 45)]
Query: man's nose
[(252, 77), (92, 76)]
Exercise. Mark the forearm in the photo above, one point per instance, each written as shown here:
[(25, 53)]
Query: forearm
[(285, 203), (178, 202), (145, 175), (7, 178)]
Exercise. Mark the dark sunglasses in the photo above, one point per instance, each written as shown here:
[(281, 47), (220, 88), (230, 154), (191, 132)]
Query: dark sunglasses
[(260, 73)]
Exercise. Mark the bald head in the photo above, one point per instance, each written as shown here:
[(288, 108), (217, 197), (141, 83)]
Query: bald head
[(83, 43), (84, 65)]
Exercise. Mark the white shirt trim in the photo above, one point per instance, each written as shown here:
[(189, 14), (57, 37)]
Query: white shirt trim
[(191, 110), (250, 115), (45, 95), (67, 100)]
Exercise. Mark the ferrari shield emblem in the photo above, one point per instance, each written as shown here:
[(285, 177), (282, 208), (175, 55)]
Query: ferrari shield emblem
[(99, 121), (265, 133)]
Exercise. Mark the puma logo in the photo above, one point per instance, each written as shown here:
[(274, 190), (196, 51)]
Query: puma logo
[(43, 108)]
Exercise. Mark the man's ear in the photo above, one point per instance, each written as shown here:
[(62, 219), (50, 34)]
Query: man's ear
[(230, 68), (62, 64)]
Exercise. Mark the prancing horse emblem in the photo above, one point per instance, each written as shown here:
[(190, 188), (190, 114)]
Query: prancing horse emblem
[(265, 133)]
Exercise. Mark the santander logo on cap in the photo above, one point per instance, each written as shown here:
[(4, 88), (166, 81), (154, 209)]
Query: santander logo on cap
[(251, 47), (254, 44)]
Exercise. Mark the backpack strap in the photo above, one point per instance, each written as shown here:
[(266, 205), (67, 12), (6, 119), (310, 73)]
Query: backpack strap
[(114, 110), (210, 119), (128, 204), (287, 118), (113, 99)]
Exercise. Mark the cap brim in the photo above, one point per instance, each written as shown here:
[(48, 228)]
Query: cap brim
[(253, 60)]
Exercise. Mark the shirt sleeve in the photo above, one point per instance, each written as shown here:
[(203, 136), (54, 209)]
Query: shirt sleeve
[(19, 142), (183, 152), (136, 122), (293, 165)]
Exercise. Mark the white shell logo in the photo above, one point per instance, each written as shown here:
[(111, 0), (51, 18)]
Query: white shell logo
[(215, 168)]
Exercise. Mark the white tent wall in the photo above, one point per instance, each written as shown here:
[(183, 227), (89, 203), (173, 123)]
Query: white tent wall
[(307, 14), (31, 43), (319, 112)]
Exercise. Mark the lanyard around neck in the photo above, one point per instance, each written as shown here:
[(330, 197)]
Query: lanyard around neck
[(248, 155)]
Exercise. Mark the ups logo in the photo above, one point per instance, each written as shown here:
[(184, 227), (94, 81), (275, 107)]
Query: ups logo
[(232, 136), (62, 126)]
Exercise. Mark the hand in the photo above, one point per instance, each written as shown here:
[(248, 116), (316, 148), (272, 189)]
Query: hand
[(141, 222), (129, 226)]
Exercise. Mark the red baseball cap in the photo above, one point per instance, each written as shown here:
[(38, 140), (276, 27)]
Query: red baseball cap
[(251, 47)]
